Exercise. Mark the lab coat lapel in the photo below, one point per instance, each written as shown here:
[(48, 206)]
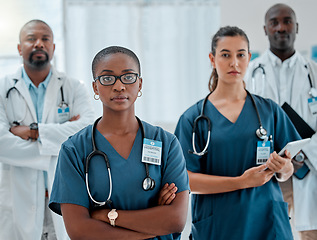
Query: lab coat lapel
[(51, 94), (24, 91), (271, 90), (298, 85)]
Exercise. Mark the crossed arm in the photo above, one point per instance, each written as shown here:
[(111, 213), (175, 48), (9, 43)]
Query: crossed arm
[(167, 217)]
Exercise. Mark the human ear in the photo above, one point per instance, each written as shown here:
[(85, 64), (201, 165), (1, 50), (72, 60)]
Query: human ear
[(19, 49), (140, 83), (212, 60), (264, 27), (95, 88)]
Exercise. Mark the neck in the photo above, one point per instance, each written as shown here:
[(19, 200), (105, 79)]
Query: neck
[(118, 123), (283, 54), (229, 91), (37, 76)]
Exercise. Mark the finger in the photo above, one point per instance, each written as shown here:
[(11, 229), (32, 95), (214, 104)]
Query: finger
[(164, 198), (170, 199), (261, 167)]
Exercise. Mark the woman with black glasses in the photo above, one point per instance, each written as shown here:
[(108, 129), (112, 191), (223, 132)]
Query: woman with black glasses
[(121, 178)]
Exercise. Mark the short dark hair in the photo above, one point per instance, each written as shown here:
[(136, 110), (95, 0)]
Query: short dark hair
[(278, 5), (113, 50), (35, 21), (228, 31)]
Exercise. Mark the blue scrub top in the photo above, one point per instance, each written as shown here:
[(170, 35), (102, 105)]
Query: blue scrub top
[(127, 174), (252, 213)]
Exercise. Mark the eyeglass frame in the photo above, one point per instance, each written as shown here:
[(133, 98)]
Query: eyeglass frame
[(116, 78)]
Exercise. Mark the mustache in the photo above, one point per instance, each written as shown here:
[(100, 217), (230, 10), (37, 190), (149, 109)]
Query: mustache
[(38, 51)]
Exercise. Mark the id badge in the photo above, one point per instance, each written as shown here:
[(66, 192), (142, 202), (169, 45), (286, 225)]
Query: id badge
[(152, 151), (312, 103), (263, 152), (63, 113)]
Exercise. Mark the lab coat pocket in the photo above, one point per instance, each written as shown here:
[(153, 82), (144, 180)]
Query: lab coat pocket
[(5, 191), (281, 221), (202, 230)]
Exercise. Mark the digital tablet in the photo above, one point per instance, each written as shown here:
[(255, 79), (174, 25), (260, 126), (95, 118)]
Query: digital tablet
[(294, 147)]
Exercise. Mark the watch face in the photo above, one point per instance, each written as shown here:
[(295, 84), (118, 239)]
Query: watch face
[(33, 126), (112, 215)]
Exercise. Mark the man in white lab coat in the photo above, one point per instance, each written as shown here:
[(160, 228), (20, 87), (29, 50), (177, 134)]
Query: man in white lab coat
[(39, 109), (283, 77)]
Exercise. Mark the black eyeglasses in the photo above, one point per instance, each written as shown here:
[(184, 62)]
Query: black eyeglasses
[(107, 80)]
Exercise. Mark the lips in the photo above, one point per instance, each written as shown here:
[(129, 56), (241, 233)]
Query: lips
[(119, 98), (38, 53)]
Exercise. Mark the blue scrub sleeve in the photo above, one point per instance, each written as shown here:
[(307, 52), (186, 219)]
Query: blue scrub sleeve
[(183, 132), (69, 183), (175, 169), (285, 131)]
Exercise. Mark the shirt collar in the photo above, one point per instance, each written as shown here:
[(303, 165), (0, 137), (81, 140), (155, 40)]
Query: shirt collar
[(290, 62), (30, 84)]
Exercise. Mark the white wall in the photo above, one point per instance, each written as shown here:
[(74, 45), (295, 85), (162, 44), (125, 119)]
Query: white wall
[(249, 16)]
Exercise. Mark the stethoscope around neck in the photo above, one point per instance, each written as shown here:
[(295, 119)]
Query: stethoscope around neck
[(312, 91), (261, 132), (19, 121), (147, 184)]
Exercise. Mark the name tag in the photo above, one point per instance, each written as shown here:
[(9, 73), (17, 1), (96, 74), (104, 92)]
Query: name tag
[(63, 113), (263, 151), (312, 103), (152, 151)]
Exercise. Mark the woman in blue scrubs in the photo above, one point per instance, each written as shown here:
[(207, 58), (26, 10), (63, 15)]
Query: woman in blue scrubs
[(132, 212), (234, 196)]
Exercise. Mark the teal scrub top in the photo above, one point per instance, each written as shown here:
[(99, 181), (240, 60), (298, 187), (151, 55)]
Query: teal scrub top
[(127, 174), (252, 213)]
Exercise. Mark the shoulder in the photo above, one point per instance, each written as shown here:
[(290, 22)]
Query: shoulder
[(265, 103), (259, 60), (66, 79), (193, 111), (79, 140)]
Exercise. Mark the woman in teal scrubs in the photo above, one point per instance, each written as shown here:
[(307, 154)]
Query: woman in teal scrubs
[(234, 197), (158, 213)]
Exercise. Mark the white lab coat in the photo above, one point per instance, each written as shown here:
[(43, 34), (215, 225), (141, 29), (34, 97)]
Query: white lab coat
[(22, 190), (305, 191)]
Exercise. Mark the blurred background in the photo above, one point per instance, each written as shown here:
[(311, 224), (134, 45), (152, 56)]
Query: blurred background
[(171, 37)]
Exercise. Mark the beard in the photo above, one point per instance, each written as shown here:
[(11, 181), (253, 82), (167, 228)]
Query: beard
[(40, 62)]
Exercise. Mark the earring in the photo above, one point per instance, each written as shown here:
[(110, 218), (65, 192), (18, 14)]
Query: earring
[(96, 97), (140, 93)]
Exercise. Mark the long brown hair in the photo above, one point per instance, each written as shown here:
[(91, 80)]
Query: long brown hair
[(227, 31)]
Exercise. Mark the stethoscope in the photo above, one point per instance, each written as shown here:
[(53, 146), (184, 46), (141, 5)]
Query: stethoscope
[(261, 132), (19, 121), (147, 184), (312, 91)]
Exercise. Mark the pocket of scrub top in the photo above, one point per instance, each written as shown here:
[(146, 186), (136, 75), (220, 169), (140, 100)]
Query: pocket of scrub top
[(281, 221), (202, 229)]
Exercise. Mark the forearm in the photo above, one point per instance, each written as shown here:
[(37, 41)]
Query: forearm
[(210, 184), (158, 221), (80, 225)]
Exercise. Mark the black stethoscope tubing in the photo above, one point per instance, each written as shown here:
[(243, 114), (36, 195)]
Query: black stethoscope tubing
[(261, 132), (261, 66), (147, 184), (17, 122)]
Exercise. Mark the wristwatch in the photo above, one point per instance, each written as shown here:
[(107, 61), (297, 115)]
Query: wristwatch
[(34, 126), (300, 157), (112, 215)]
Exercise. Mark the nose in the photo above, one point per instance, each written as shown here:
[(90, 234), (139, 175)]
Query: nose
[(118, 85), (39, 43), (234, 62), (281, 27)]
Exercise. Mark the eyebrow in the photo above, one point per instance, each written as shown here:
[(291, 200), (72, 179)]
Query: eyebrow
[(240, 50), (110, 71)]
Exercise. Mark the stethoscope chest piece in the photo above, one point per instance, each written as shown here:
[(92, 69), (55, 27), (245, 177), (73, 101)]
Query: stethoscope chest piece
[(148, 184), (261, 133)]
